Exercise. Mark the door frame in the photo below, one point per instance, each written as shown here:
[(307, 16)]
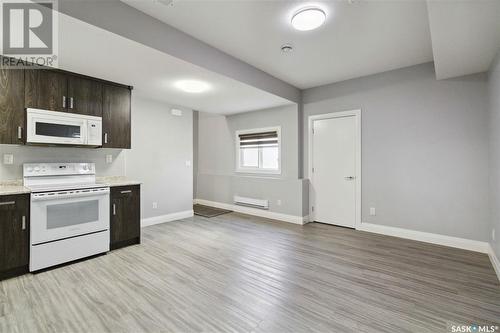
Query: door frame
[(356, 113)]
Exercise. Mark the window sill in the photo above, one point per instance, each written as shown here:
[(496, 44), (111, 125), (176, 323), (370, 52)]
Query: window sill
[(264, 173)]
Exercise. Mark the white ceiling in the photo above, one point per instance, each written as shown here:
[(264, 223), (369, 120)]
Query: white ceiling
[(89, 50), (358, 39), (465, 35)]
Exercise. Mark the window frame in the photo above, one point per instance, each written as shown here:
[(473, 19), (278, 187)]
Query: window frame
[(251, 170)]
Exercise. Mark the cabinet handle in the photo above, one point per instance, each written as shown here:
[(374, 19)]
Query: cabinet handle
[(105, 137), (64, 101), (114, 209), (126, 191), (7, 203), (19, 132), (71, 102), (24, 222)]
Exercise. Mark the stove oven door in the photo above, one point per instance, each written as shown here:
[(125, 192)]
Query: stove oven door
[(65, 214)]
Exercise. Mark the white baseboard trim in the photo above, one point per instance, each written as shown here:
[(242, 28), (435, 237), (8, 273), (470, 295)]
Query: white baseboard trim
[(461, 243), (494, 261), (255, 212), (166, 218)]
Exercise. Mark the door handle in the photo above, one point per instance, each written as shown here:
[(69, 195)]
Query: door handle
[(24, 223), (64, 101), (71, 102), (19, 132), (349, 178), (114, 209), (126, 191), (7, 203), (105, 137)]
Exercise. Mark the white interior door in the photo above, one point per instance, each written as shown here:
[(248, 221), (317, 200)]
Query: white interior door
[(334, 170)]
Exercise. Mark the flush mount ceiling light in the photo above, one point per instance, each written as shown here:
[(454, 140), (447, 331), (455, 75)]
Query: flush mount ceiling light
[(192, 86), (309, 18)]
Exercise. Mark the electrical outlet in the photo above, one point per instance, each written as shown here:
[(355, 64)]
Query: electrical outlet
[(493, 236), (155, 205), (278, 202), (188, 163), (373, 212), (109, 159), (8, 159)]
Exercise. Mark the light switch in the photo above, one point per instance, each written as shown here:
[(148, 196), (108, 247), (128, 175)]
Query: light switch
[(373, 212), (109, 159), (188, 163), (8, 159)]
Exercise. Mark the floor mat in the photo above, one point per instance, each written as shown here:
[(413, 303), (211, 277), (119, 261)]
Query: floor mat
[(207, 211)]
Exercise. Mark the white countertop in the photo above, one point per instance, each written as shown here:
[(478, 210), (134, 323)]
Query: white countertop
[(116, 181), (12, 187)]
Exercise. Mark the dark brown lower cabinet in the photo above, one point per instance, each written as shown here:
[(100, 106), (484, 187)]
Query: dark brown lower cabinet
[(14, 235), (125, 221)]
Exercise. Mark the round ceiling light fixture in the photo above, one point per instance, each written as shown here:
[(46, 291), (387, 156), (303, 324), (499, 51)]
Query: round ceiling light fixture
[(192, 86), (308, 18)]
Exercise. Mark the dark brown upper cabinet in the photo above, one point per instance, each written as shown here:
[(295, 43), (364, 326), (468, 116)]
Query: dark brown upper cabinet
[(125, 220), (57, 91), (14, 234), (46, 89), (116, 117), (85, 96), (11, 105)]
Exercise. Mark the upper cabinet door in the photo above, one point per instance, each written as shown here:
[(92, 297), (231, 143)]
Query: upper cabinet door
[(84, 96), (46, 89), (11, 105), (116, 117)]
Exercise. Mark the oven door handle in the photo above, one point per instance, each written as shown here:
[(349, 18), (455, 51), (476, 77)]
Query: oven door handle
[(68, 195)]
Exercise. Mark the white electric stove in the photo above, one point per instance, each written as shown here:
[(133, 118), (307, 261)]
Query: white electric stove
[(69, 213)]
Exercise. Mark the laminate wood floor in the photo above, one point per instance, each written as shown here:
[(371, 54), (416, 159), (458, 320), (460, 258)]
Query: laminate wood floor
[(236, 273)]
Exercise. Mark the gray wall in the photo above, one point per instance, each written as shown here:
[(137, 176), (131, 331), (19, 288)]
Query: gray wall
[(424, 148), (494, 120), (217, 179), (196, 115), (161, 145)]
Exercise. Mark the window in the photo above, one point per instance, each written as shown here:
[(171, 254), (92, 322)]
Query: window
[(258, 151)]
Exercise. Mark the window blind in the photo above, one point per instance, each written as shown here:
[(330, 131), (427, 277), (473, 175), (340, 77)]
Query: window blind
[(256, 140)]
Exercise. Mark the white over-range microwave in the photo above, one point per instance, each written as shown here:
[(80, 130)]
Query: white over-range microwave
[(62, 128)]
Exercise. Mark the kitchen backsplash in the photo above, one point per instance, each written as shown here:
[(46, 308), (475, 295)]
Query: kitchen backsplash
[(30, 154)]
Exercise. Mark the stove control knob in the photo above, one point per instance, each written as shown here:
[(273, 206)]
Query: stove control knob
[(37, 169), (85, 167), (30, 169)]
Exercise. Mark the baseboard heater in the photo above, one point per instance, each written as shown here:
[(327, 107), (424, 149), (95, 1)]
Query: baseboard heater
[(250, 202)]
